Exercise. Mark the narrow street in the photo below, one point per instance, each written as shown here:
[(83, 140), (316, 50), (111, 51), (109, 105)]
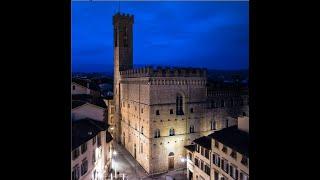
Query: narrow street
[(125, 164)]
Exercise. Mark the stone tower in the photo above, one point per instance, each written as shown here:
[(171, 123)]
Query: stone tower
[(122, 24)]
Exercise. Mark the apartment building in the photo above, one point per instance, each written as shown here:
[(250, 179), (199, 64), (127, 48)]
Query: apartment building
[(221, 155)]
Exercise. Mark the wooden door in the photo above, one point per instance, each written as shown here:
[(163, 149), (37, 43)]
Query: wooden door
[(171, 163)]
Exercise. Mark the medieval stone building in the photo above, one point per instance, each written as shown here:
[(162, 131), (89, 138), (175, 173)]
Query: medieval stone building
[(156, 111)]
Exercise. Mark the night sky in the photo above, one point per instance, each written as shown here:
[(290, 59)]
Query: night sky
[(207, 34)]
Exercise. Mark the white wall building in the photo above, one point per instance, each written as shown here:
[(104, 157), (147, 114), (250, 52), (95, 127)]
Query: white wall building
[(91, 150), (221, 155)]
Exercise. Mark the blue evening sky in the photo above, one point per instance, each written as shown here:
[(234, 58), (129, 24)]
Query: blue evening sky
[(207, 34)]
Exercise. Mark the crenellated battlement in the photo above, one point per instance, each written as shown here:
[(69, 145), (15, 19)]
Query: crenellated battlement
[(118, 17), (150, 71)]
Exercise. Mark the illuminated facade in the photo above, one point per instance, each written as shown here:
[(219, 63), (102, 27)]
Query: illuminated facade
[(222, 155), (158, 111), (91, 150)]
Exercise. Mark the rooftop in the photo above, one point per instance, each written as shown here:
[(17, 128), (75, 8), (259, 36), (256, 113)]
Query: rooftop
[(233, 138), (85, 129), (85, 98), (77, 103), (83, 82), (204, 141), (191, 147)]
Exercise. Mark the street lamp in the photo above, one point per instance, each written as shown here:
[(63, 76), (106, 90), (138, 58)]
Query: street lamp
[(183, 160)]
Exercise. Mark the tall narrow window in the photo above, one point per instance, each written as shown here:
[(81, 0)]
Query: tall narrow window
[(141, 148), (157, 133), (231, 102), (157, 112), (179, 105), (73, 87)]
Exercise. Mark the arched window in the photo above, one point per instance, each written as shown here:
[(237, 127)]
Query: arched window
[(157, 133), (192, 129), (179, 105), (171, 132)]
